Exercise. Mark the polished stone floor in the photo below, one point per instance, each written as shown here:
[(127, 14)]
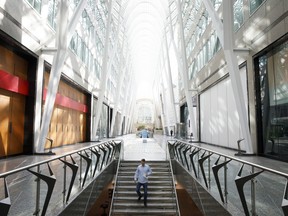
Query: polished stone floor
[(135, 149)]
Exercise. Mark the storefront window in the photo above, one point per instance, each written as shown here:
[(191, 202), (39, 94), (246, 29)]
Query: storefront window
[(103, 124), (273, 97)]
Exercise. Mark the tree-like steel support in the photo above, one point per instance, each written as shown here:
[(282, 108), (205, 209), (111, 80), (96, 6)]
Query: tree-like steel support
[(185, 78), (226, 36), (64, 34), (105, 72)]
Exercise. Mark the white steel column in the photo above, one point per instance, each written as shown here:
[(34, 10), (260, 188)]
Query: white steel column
[(119, 84), (164, 95), (105, 71), (226, 36), (118, 91), (64, 34), (38, 102), (169, 79), (131, 113), (116, 98), (124, 107), (184, 70)]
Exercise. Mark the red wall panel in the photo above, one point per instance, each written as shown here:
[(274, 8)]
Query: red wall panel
[(67, 102), (13, 83)]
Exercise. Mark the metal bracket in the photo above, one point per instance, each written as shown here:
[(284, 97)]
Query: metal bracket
[(175, 150), (95, 152), (185, 157), (179, 150), (240, 153), (194, 152), (215, 168), (50, 181), (109, 152), (113, 144), (74, 167), (5, 203), (103, 159), (285, 200), (201, 162), (240, 181), (88, 161)]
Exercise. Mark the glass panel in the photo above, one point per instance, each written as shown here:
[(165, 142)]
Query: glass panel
[(254, 4), (273, 81), (52, 10), (36, 4), (238, 14)]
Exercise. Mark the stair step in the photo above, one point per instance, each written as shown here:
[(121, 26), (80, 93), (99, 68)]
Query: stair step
[(148, 162), (144, 211), (133, 198), (139, 204), (154, 173), (150, 187), (150, 182), (151, 178), (151, 193)]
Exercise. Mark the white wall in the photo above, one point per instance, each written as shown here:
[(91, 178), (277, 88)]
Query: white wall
[(219, 120)]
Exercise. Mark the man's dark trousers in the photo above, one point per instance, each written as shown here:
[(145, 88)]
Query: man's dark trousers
[(145, 190)]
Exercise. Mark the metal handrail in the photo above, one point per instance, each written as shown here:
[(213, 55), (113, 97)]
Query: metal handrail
[(108, 146), (240, 180), (173, 182), (116, 179), (237, 159), (5, 174)]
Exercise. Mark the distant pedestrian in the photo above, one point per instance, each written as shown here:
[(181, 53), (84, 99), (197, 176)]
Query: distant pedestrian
[(141, 177), (171, 132)]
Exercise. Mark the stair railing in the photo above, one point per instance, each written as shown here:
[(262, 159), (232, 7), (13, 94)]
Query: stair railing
[(205, 164), (121, 155), (173, 183), (80, 163)]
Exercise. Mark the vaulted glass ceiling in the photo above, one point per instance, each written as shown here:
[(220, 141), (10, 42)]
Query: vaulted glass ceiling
[(143, 23)]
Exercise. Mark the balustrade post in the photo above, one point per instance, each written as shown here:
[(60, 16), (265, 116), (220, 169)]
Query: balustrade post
[(37, 206), (253, 195), (225, 182), (64, 181), (80, 178), (209, 173)]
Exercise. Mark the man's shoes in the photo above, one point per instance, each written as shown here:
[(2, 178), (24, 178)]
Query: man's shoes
[(145, 203), (139, 198)]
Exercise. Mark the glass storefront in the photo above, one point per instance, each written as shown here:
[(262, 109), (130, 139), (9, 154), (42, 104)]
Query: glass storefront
[(102, 131), (272, 100)]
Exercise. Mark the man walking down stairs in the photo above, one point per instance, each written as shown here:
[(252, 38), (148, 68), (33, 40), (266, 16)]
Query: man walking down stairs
[(161, 196), (142, 173)]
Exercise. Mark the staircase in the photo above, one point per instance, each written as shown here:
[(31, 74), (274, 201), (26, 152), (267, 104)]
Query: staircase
[(161, 197)]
